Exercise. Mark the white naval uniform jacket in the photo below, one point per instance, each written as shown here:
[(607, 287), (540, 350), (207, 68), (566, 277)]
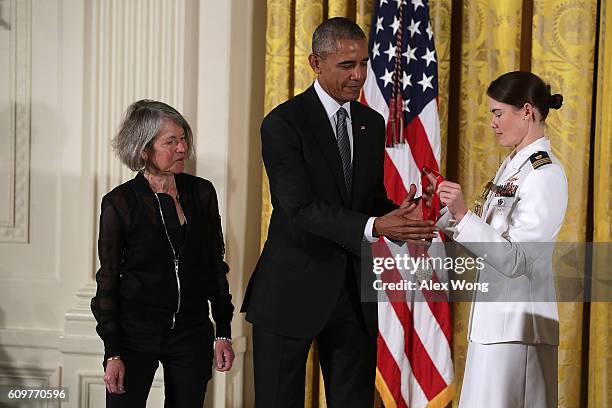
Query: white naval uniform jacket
[(517, 235)]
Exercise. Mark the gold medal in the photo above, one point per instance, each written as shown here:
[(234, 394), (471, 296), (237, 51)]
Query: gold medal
[(479, 202), (424, 271)]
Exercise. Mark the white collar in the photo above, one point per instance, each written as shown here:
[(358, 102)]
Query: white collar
[(329, 103), (541, 144)]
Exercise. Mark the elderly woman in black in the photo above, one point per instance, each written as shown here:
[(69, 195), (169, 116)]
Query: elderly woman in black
[(161, 260)]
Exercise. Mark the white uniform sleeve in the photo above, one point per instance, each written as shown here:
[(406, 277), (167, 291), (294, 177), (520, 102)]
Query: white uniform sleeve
[(537, 217)]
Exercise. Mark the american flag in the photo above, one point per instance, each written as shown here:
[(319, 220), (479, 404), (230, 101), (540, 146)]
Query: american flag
[(414, 367)]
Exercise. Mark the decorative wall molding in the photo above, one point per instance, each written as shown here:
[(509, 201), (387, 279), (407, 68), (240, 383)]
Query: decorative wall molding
[(81, 310), (90, 380), (29, 358), (15, 227), (135, 52), (31, 375), (29, 338), (136, 49)]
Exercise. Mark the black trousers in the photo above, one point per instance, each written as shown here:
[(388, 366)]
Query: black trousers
[(186, 355), (348, 361)]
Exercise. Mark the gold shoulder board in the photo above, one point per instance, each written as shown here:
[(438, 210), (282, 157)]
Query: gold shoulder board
[(539, 159)]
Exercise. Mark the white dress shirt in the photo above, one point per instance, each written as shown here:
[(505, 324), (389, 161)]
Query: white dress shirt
[(331, 108)]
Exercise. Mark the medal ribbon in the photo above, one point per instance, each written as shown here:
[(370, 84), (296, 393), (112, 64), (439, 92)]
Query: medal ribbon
[(433, 212)]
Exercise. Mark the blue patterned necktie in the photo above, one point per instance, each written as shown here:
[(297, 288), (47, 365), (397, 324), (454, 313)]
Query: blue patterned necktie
[(344, 146)]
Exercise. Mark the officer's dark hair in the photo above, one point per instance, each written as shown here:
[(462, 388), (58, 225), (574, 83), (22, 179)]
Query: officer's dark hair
[(329, 32), (519, 87)]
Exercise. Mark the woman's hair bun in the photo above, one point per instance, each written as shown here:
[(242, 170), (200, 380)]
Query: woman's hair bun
[(556, 101)]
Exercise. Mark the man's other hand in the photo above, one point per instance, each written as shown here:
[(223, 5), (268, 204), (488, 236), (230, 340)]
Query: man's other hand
[(409, 199), (401, 225)]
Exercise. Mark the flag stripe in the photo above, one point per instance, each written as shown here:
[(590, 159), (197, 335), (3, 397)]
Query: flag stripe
[(390, 331), (431, 123), (427, 324), (372, 96), (428, 329), (419, 145), (387, 399), (390, 369), (439, 309), (393, 328), (415, 329), (394, 184), (423, 367), (401, 158)]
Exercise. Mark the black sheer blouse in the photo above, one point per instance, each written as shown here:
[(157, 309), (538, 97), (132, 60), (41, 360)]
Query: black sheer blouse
[(141, 294)]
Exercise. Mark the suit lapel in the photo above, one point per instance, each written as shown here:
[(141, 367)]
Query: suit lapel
[(325, 137)]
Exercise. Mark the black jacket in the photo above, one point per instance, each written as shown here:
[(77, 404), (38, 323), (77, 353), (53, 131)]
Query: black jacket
[(138, 291), (315, 227)]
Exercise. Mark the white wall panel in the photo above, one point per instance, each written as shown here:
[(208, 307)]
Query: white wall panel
[(30, 265), (68, 71), (15, 37), (136, 50), (91, 392), (40, 273), (39, 377)]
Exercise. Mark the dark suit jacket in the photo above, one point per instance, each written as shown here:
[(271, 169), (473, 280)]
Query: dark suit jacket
[(315, 228)]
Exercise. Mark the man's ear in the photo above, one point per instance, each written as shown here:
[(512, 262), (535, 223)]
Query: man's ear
[(315, 63)]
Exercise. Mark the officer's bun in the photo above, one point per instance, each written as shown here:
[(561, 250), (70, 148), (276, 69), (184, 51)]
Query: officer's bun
[(519, 87), (556, 101)]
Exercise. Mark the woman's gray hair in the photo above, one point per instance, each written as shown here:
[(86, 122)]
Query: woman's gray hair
[(141, 124)]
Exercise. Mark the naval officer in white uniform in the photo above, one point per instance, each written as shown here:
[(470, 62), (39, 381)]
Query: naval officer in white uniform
[(512, 353)]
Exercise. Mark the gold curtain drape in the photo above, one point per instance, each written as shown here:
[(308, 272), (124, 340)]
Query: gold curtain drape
[(563, 53), (600, 324), (490, 40), (560, 44)]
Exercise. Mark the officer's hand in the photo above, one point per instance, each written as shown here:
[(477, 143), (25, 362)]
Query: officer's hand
[(451, 195), (430, 189)]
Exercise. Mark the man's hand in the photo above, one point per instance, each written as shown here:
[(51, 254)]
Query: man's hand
[(451, 195), (400, 225), (409, 199), (224, 355), (113, 376), (414, 205)]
